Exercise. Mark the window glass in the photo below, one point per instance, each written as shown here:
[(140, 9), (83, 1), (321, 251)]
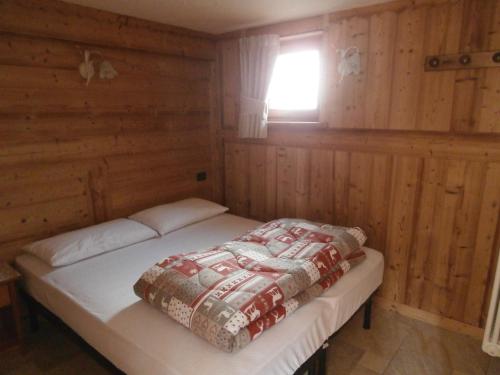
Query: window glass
[(295, 81)]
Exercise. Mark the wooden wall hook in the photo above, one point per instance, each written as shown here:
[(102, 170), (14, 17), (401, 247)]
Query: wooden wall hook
[(475, 60)]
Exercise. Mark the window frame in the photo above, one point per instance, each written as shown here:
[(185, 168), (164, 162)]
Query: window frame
[(297, 44)]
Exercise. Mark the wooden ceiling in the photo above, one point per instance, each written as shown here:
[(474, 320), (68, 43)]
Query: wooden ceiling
[(218, 16)]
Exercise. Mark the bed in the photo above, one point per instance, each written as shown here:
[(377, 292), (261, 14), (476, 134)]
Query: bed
[(138, 339)]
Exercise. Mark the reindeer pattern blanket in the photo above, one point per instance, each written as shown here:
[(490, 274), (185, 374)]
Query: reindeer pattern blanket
[(230, 294)]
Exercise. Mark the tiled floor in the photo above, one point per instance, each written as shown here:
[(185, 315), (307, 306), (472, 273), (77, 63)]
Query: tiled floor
[(394, 346)]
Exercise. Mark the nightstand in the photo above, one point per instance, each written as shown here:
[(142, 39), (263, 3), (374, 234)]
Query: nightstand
[(10, 312)]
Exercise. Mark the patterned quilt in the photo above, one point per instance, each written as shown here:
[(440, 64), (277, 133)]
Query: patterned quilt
[(230, 294)]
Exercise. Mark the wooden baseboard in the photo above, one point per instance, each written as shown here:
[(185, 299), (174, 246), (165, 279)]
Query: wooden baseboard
[(430, 318)]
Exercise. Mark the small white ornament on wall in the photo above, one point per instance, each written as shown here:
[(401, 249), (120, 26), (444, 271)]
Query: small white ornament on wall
[(350, 62), (87, 69), (106, 70)]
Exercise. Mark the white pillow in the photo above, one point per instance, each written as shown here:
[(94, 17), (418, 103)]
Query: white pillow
[(169, 217), (71, 247)]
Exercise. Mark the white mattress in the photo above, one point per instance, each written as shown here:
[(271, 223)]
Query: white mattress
[(95, 298)]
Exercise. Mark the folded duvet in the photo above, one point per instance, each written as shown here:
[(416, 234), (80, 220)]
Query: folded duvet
[(229, 294)]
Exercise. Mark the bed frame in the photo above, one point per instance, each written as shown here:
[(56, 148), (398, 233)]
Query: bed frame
[(315, 365)]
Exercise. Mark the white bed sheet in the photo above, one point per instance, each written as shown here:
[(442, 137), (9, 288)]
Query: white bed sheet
[(95, 298)]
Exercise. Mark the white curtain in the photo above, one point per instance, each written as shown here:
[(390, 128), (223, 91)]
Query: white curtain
[(257, 57)]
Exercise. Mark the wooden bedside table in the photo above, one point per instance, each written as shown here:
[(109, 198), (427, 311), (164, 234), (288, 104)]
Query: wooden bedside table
[(10, 312)]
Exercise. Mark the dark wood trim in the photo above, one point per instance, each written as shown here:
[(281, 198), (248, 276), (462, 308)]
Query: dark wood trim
[(482, 147), (303, 116)]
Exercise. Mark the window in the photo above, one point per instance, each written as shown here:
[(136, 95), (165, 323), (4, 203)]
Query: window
[(294, 88)]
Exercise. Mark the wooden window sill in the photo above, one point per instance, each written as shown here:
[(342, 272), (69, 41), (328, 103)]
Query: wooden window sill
[(315, 124)]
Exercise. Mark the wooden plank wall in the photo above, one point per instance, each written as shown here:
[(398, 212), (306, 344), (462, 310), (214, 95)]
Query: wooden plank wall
[(72, 155), (412, 157)]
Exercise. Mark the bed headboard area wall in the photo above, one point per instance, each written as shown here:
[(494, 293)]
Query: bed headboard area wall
[(413, 157), (71, 154)]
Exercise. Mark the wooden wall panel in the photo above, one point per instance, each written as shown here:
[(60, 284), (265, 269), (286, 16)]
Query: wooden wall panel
[(262, 167), (404, 194), (230, 61), (473, 109), (72, 155), (287, 180), (442, 36), (321, 177), (58, 20), (408, 72), (383, 31), (485, 244), (435, 219), (237, 178), (488, 113), (34, 51), (379, 193), (410, 156), (346, 97)]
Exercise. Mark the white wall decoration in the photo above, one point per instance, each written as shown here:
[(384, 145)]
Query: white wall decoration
[(87, 69), (106, 70), (350, 62)]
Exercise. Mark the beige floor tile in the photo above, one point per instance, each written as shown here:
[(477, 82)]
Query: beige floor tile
[(374, 362), (494, 367), (342, 357), (445, 351), (409, 363), (24, 369), (360, 370), (384, 338), (82, 363), (51, 346), (12, 360)]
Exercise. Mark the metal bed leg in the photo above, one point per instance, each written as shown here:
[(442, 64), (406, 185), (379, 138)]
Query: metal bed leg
[(367, 319), (322, 359), (316, 364), (32, 311), (312, 370)]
